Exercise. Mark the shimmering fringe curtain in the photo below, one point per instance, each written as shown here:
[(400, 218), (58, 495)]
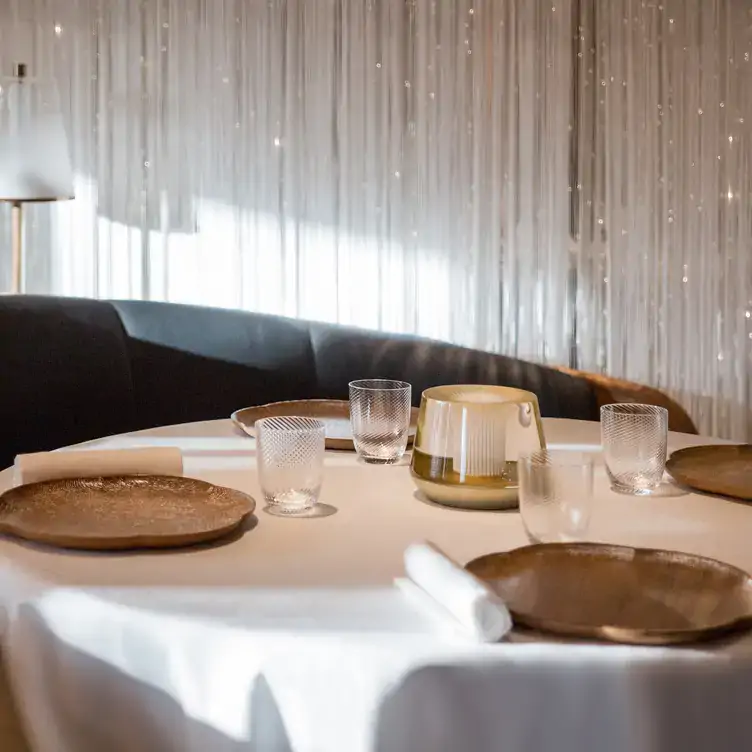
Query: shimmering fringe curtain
[(663, 201), (565, 181)]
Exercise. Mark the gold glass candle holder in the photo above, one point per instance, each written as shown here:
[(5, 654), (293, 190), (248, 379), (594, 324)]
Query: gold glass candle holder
[(467, 444)]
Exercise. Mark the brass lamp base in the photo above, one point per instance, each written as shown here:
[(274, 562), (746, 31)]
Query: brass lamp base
[(468, 497)]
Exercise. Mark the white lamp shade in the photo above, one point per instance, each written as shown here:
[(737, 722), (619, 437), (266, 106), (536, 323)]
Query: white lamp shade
[(34, 160)]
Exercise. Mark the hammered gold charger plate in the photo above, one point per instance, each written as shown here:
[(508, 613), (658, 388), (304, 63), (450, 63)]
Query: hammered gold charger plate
[(620, 594), (334, 413), (724, 470), (122, 512)]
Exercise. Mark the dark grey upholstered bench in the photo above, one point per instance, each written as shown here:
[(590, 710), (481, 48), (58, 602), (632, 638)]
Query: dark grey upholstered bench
[(73, 370)]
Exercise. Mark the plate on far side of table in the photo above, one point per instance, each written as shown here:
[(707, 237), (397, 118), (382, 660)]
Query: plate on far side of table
[(122, 512), (334, 413), (716, 469), (631, 595)]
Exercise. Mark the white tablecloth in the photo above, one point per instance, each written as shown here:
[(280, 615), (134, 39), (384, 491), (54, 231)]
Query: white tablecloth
[(291, 637)]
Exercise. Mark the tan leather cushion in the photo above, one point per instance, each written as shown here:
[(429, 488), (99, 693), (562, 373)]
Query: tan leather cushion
[(610, 390)]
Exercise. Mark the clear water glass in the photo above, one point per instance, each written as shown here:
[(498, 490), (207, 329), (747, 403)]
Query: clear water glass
[(635, 439), (380, 419), (556, 495), (290, 457)]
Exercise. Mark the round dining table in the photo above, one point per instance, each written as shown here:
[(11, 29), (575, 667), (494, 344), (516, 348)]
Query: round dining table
[(290, 635)]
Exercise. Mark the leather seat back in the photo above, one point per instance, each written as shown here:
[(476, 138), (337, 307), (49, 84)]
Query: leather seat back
[(192, 363), (343, 355), (64, 374), (73, 370)]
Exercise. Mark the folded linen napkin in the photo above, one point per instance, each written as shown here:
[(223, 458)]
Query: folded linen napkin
[(32, 468), (437, 580)]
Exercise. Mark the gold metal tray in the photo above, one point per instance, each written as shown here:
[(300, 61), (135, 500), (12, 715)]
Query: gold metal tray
[(719, 469), (335, 413), (122, 512), (621, 594)]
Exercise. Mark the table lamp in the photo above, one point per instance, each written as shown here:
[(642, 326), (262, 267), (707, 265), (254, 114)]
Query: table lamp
[(34, 161), (468, 441)]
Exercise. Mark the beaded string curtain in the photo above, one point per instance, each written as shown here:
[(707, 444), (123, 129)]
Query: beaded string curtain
[(562, 181), (662, 201)]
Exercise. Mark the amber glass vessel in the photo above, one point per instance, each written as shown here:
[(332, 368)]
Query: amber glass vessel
[(468, 440)]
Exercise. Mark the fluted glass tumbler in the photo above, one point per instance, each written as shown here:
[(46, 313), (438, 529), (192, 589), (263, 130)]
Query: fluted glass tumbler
[(556, 495), (290, 457), (380, 419), (634, 439)]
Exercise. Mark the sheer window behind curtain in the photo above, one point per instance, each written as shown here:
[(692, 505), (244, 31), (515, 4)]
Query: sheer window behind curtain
[(521, 176)]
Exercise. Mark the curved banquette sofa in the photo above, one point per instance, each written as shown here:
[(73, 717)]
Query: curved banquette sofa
[(73, 370)]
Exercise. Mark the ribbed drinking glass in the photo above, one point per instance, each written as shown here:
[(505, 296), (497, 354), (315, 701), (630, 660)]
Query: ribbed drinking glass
[(635, 439), (380, 419), (290, 457)]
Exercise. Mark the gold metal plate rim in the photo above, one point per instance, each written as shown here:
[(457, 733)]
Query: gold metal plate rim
[(314, 408), (216, 522), (615, 633), (712, 485)]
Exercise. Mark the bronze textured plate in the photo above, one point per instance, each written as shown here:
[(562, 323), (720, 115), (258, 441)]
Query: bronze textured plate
[(335, 413), (122, 512), (630, 595), (719, 469)]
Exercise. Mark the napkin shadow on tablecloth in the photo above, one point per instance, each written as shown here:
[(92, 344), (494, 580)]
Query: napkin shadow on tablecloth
[(59, 715)]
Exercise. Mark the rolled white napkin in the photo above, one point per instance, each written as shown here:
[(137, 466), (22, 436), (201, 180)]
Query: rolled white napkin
[(32, 468), (459, 595)]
